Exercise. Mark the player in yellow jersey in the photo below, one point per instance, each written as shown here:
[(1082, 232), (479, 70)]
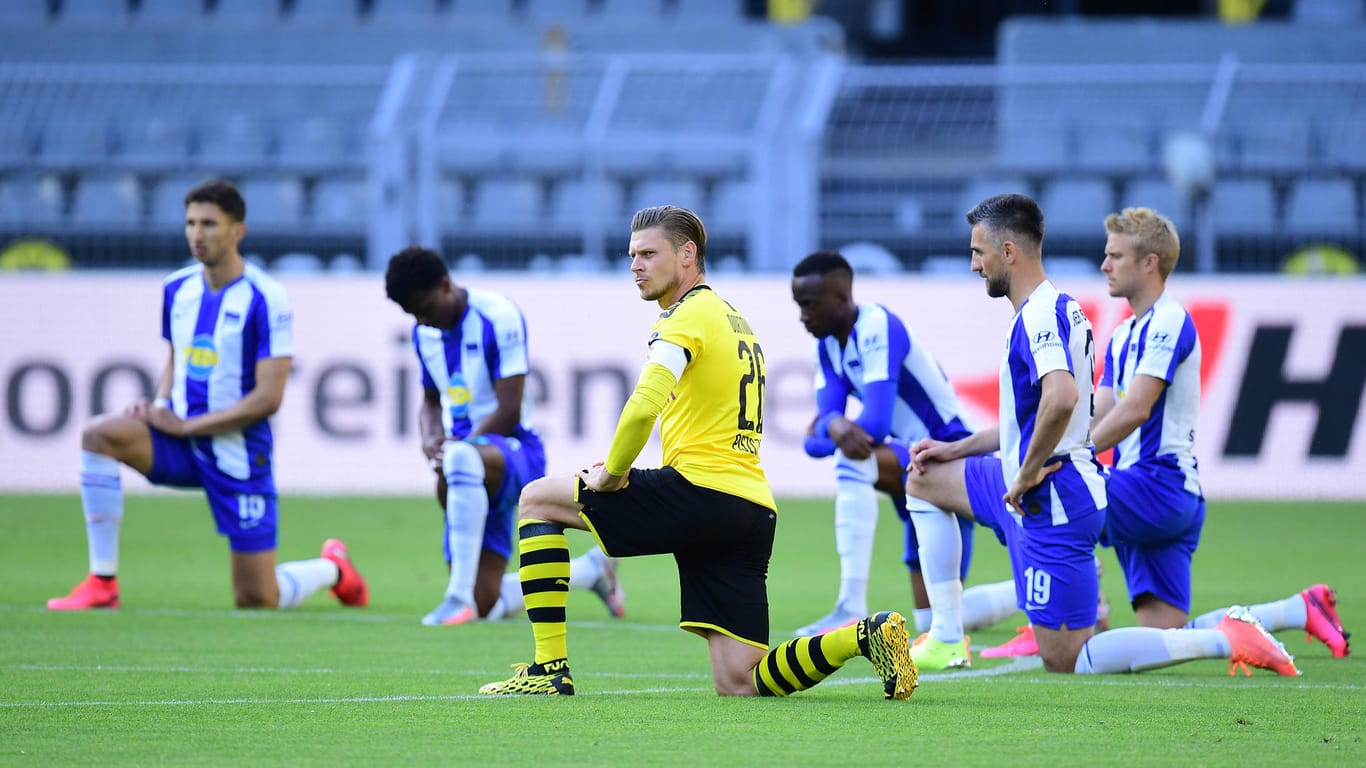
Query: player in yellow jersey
[(709, 506)]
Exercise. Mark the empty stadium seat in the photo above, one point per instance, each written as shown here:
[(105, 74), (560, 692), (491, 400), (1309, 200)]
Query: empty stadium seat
[(719, 9), (1114, 147), (18, 143), (234, 142), (570, 203), (170, 11), (982, 187), (107, 200), (273, 202), (314, 142), (404, 10), (685, 193), (1273, 142), (75, 140), (505, 202), (247, 11), (1076, 207), (1322, 206), (1155, 193), (555, 10), (340, 204), (23, 12), (93, 11), (28, 199), (1343, 139), (630, 8), (1244, 207), (154, 141), (326, 11), (732, 205), (1043, 144)]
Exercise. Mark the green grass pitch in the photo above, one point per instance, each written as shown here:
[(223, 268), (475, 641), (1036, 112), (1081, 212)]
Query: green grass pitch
[(179, 678)]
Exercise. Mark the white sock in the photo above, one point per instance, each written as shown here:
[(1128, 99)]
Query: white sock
[(946, 602), (986, 605), (923, 618), (855, 523), (510, 597), (299, 579), (102, 501), (467, 510), (1290, 613), (584, 571), (941, 558), (1135, 649)]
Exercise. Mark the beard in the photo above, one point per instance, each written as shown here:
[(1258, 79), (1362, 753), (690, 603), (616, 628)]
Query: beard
[(998, 286)]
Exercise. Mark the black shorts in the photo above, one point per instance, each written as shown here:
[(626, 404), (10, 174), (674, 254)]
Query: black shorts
[(722, 544)]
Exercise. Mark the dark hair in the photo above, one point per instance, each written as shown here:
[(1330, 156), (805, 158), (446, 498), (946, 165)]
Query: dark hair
[(679, 224), (221, 193), (1016, 214), (822, 263), (412, 271)]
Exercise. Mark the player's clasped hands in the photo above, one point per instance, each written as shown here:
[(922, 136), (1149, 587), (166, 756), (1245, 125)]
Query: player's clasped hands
[(927, 452)]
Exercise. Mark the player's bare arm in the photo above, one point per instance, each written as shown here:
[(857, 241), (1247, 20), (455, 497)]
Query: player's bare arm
[(852, 439), (1115, 422), (142, 406), (260, 403), (430, 428), (505, 418), (927, 451), (1055, 411)]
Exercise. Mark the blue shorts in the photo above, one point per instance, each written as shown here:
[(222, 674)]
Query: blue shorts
[(523, 461), (1154, 524), (246, 512), (1053, 565)]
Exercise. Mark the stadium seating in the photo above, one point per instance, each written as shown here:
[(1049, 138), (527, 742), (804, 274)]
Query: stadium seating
[(1244, 207), (506, 203), (339, 204), (93, 11), (274, 202), (1076, 206), (28, 199), (107, 200), (1322, 206), (1158, 194)]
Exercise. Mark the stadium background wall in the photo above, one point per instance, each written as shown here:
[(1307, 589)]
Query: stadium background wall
[(1284, 374)]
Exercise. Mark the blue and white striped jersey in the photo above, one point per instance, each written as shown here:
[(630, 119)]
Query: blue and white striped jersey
[(217, 339), (488, 343), (1051, 333), (917, 400), (1163, 344)]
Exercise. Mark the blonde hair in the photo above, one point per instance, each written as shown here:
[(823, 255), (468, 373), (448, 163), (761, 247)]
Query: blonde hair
[(1152, 233), (679, 224)]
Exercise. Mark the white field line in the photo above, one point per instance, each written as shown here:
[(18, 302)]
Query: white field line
[(976, 675)]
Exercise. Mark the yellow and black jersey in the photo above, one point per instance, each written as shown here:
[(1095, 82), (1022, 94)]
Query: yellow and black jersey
[(713, 422)]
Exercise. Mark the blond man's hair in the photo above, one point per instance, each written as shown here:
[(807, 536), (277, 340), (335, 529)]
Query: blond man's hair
[(1152, 233)]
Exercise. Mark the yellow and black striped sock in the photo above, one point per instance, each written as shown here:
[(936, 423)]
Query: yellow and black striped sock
[(545, 585), (803, 662)]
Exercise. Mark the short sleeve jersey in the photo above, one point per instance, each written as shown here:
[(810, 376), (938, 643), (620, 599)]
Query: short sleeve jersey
[(1163, 344), (488, 343), (713, 423), (217, 337), (881, 348), (1051, 333)]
